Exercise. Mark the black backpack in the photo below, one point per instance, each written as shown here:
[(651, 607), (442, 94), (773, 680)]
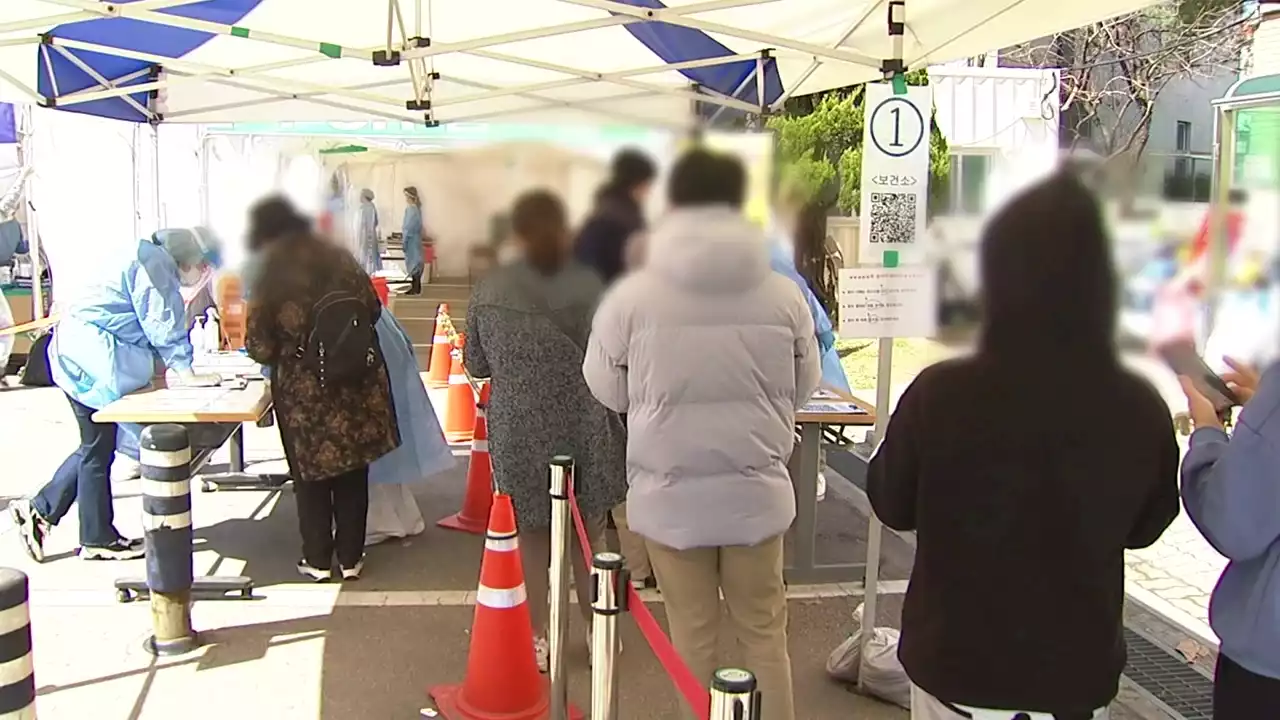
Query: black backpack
[(342, 344)]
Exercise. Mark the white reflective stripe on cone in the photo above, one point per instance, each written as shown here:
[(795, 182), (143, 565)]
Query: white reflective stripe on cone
[(14, 618), (501, 599), (15, 671), (479, 446), (162, 489), (440, 339), (502, 544), (166, 522), (164, 458), (457, 379)]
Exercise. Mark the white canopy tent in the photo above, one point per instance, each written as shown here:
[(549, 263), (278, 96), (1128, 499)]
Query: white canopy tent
[(598, 61)]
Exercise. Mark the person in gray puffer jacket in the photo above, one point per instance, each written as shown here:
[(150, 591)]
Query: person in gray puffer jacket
[(710, 354)]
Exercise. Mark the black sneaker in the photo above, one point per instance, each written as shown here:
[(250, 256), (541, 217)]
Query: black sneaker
[(118, 550), (32, 528), (314, 573)]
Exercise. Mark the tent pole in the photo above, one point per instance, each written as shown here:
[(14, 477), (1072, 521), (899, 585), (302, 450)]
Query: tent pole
[(35, 252), (736, 92), (897, 24), (682, 19), (613, 80), (816, 63), (1219, 207)]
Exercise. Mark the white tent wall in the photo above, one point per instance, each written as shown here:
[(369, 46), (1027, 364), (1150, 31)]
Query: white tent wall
[(93, 191), (180, 176), (462, 190)]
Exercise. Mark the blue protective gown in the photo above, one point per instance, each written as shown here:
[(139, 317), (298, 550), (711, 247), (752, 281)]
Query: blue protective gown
[(367, 234), (411, 229), (106, 344), (423, 451), (782, 261)]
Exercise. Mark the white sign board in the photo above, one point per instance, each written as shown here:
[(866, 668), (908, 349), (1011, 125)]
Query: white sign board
[(888, 302), (895, 174)]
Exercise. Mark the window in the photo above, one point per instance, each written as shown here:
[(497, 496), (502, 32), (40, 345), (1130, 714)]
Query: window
[(967, 184), (1184, 136)]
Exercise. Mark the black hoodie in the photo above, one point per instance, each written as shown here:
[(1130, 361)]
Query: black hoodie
[(602, 241), (1026, 471)]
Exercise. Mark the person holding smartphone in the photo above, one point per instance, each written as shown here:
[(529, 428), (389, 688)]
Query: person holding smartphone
[(1231, 491)]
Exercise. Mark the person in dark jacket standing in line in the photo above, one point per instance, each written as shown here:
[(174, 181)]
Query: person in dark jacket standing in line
[(609, 244), (331, 432), (1026, 471), (618, 215)]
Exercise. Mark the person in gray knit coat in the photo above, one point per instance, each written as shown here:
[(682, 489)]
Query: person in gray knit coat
[(528, 323)]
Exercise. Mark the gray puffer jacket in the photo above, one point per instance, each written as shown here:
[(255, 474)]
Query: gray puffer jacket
[(709, 353)]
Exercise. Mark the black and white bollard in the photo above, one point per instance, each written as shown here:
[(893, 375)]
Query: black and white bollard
[(17, 673), (166, 517), (734, 695)]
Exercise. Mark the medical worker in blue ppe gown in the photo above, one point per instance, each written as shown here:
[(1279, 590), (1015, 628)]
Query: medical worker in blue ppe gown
[(412, 232), (806, 223), (423, 451), (106, 347), (367, 234)]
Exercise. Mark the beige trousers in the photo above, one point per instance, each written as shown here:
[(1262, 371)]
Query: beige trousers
[(633, 546), (535, 557), (750, 577)]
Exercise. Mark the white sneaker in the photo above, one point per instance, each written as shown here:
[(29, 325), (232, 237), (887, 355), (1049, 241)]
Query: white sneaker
[(314, 573), (542, 653), (353, 573), (822, 486)]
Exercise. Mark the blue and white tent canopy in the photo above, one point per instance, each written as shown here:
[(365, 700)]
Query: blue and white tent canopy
[(477, 60)]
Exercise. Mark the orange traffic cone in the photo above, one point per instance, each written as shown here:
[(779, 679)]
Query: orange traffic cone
[(479, 498), (438, 371), (460, 403), (503, 682)]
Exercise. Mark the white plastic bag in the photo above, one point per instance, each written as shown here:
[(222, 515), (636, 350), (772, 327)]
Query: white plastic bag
[(884, 676)]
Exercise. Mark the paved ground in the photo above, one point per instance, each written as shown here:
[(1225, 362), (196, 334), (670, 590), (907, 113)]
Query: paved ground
[(309, 652), (1176, 576)]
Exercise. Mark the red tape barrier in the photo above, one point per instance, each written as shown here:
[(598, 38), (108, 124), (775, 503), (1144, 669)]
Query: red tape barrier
[(681, 676)]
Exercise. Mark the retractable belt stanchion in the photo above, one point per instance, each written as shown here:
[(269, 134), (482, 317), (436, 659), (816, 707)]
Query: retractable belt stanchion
[(166, 514), (734, 695), (558, 630), (609, 600), (18, 681)]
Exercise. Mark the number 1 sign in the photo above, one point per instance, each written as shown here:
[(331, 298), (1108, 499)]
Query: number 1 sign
[(895, 174)]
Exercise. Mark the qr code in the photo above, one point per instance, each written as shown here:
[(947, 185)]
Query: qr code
[(893, 218)]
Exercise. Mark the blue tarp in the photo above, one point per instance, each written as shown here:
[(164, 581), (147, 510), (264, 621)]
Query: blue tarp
[(59, 76), (8, 124)]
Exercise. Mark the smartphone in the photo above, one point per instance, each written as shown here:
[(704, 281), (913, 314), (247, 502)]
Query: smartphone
[(1182, 358)]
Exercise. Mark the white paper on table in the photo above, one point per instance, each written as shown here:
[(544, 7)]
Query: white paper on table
[(833, 408)]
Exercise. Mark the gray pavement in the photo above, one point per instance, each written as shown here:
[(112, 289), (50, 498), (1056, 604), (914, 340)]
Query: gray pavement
[(339, 652)]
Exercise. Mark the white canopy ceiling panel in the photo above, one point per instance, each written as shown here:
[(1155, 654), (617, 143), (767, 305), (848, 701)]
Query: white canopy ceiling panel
[(443, 60)]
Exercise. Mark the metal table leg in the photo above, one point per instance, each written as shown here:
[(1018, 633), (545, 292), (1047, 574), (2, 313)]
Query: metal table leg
[(803, 467), (237, 478), (236, 445)]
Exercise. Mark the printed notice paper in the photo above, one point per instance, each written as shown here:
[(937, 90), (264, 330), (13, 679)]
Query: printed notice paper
[(888, 303)]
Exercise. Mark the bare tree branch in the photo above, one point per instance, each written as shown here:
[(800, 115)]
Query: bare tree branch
[(1113, 72)]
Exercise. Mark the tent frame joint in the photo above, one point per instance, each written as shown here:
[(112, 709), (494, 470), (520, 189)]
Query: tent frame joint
[(386, 58)]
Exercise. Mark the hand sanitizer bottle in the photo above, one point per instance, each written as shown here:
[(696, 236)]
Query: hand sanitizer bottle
[(212, 332), (197, 336)]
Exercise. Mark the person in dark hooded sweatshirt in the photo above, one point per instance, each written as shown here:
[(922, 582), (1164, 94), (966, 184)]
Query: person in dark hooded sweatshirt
[(1026, 471), (617, 217)]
